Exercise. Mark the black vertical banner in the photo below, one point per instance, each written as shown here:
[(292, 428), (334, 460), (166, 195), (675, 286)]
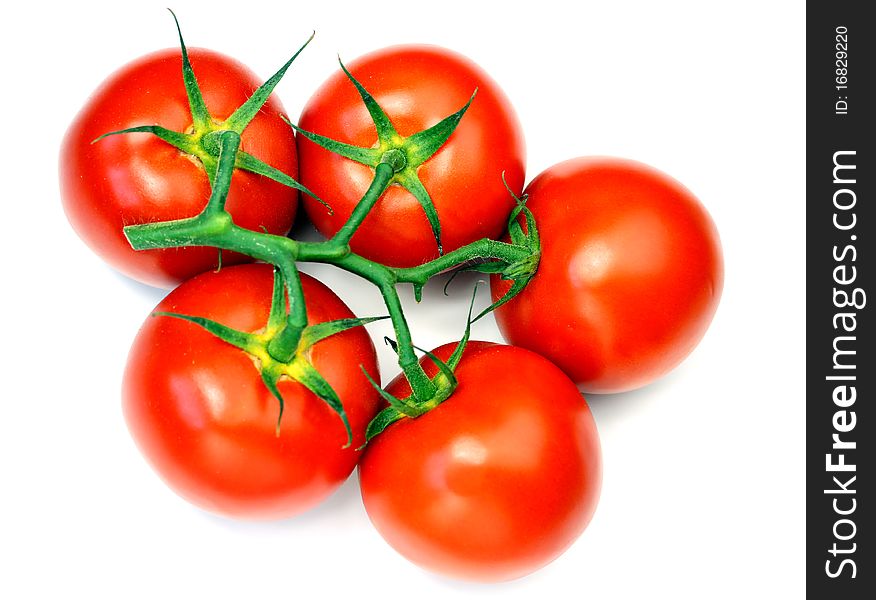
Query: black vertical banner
[(840, 267)]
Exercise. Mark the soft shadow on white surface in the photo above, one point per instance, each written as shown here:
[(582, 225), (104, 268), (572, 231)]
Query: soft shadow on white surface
[(610, 410), (490, 590), (344, 505), (140, 289)]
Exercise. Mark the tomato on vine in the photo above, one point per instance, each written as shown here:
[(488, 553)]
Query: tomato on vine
[(224, 424), (439, 199), (161, 166), (494, 482), (251, 390), (630, 274)]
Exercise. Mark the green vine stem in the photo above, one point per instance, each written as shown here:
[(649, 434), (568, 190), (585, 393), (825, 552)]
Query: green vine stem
[(394, 161), (214, 227)]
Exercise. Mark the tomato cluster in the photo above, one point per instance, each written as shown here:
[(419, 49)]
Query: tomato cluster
[(253, 391)]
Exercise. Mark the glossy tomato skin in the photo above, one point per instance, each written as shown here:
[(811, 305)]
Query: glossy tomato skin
[(199, 412), (495, 482), (630, 275), (137, 178), (417, 86)]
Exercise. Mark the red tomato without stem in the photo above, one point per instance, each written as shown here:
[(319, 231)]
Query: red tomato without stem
[(496, 481), (203, 418), (417, 86), (137, 178), (630, 276)]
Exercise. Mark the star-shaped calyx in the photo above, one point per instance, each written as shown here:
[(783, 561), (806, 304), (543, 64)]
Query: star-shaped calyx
[(522, 271), (523, 234), (273, 369), (411, 407), (405, 154), (202, 139)]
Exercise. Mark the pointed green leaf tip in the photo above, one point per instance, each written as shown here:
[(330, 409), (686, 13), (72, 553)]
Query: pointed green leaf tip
[(398, 409), (454, 359), (426, 143), (270, 379), (248, 110), (413, 150), (309, 377), (379, 423), (411, 182), (238, 339), (400, 404), (320, 331), (197, 107)]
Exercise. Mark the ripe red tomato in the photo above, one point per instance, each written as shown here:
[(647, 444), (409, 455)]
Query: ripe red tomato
[(496, 481), (417, 86), (201, 415), (630, 276), (137, 178)]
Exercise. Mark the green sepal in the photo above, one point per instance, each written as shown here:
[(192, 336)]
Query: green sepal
[(404, 154), (442, 366), (528, 238), (515, 230), (418, 291), (380, 422), (176, 139), (515, 289), (454, 359), (247, 111), (522, 271), (366, 156), (250, 163), (315, 333), (443, 370), (307, 375), (270, 379), (298, 368), (423, 144), (239, 339), (197, 106), (405, 407), (400, 408), (409, 179), (385, 129), (203, 142)]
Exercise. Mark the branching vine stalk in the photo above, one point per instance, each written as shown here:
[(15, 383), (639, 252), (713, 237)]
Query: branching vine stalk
[(394, 161)]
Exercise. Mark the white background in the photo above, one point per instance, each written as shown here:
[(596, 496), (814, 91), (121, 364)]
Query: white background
[(703, 490)]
